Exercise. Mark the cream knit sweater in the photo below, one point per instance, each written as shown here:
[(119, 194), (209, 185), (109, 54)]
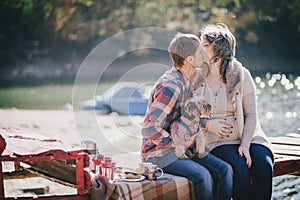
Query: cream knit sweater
[(241, 92)]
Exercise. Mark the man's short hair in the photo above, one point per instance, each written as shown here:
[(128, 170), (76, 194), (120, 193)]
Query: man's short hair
[(182, 46)]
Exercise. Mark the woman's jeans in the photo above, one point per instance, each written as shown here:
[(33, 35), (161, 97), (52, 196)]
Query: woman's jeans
[(249, 183), (212, 178)]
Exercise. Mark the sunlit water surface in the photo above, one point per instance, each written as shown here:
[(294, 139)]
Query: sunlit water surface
[(279, 112)]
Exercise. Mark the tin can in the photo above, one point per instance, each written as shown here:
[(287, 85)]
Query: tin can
[(90, 147)]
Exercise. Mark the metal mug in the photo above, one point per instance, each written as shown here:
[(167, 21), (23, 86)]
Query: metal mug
[(90, 147)]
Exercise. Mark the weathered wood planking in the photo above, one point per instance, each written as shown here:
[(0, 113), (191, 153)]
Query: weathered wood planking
[(286, 149), (286, 140), (42, 153), (287, 155)]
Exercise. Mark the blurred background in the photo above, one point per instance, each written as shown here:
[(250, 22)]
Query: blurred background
[(43, 44)]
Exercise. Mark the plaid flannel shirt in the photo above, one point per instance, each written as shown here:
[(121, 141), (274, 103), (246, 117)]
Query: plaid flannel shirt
[(163, 107)]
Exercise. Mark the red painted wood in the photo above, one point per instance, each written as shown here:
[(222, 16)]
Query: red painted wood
[(58, 197), (1, 183), (22, 148), (286, 165)]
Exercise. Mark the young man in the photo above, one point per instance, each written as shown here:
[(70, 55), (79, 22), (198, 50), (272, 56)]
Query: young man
[(211, 177)]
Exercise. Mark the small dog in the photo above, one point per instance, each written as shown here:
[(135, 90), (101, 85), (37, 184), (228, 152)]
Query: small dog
[(186, 130)]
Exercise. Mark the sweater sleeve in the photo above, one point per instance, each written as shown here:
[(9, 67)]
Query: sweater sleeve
[(249, 109)]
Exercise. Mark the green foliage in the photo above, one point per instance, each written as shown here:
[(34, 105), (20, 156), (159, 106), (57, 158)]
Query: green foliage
[(56, 23)]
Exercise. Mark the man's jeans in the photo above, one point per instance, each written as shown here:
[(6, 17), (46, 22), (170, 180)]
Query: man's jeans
[(212, 178)]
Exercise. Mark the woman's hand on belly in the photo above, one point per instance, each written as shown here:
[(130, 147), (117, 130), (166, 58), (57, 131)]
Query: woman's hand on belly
[(219, 127)]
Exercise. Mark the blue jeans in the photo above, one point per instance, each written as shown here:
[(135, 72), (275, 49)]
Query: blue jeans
[(212, 178), (254, 183)]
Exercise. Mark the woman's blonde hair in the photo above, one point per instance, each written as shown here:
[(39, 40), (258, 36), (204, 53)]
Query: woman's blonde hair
[(223, 42)]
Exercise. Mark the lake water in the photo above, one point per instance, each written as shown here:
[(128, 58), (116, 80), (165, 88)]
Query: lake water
[(278, 109), (279, 112)]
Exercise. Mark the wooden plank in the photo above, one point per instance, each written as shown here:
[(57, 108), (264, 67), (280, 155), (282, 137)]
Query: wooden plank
[(286, 145), (279, 158), (1, 182), (287, 166), (80, 177), (285, 140), (287, 154), (18, 174), (294, 135), (286, 150), (56, 169)]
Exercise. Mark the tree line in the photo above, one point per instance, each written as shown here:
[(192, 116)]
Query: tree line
[(57, 28)]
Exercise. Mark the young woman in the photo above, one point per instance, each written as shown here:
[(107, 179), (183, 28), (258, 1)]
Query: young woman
[(211, 177), (234, 132)]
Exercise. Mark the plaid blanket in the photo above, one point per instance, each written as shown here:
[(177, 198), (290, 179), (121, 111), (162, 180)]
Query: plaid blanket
[(167, 187)]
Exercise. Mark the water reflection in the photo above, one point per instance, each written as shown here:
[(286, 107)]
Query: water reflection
[(290, 114), (278, 102), (257, 79), (269, 115), (279, 109)]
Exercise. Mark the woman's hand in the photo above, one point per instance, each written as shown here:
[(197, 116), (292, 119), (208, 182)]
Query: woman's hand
[(219, 127), (244, 151)]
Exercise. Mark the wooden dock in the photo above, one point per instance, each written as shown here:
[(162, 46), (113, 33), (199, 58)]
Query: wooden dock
[(287, 154), (35, 150), (24, 149)]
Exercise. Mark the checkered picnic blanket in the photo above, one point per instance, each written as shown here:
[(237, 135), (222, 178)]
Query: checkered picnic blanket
[(167, 187)]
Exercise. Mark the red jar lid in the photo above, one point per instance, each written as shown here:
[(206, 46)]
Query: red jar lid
[(100, 156), (107, 158)]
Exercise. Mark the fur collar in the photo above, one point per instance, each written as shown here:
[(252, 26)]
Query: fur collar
[(234, 78)]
